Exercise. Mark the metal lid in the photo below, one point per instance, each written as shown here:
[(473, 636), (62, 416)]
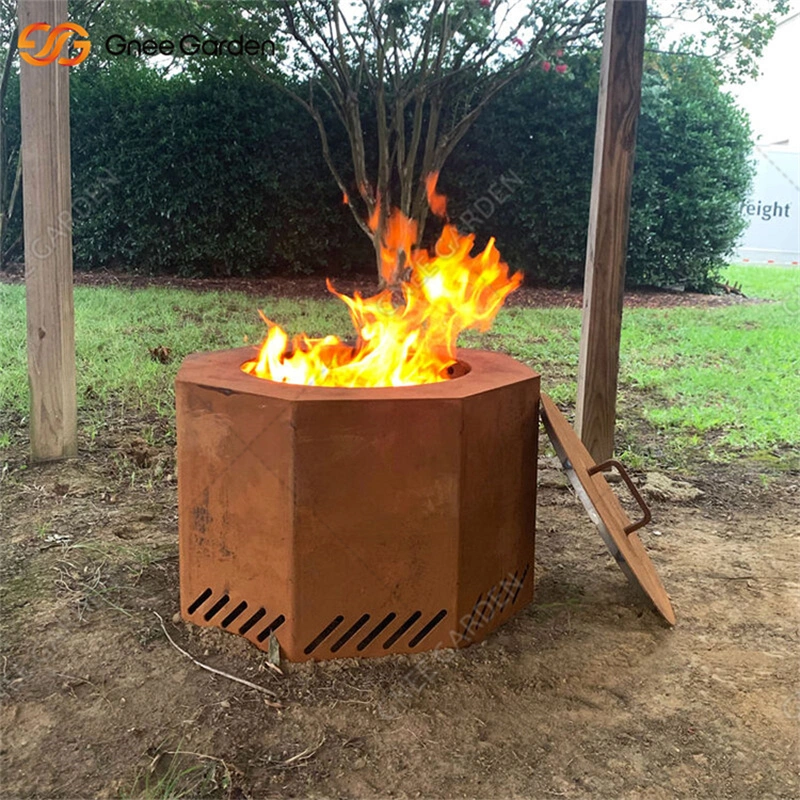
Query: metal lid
[(604, 508)]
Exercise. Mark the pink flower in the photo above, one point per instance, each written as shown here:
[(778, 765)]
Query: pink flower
[(518, 42), (486, 3), (546, 66), (559, 53), (561, 68)]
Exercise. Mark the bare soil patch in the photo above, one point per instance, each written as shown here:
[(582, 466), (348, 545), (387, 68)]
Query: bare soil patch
[(585, 693)]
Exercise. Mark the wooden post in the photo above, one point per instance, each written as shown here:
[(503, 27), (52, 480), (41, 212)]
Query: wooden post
[(606, 248), (44, 100)]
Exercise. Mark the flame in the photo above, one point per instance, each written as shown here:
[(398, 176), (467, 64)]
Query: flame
[(413, 342), (436, 201)]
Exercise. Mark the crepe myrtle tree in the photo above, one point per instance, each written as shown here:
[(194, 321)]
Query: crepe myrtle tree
[(407, 78), (415, 74)]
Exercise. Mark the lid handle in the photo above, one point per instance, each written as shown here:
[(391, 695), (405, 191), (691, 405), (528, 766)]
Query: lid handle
[(612, 462)]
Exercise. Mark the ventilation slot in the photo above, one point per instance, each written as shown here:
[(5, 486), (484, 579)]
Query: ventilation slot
[(216, 608), (428, 628), (521, 582), (401, 630), (365, 642), (509, 590), (349, 633), (482, 612), (497, 598), (468, 626), (235, 613), (492, 602), (252, 621), (324, 634), (200, 600), (273, 626)]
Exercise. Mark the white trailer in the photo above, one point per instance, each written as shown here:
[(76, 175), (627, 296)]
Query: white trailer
[(773, 209)]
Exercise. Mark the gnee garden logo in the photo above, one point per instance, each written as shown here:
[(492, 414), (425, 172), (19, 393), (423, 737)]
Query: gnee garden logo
[(56, 40)]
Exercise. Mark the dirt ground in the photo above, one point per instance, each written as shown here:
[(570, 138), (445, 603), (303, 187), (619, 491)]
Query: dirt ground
[(583, 694)]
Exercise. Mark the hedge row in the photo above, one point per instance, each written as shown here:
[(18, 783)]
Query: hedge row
[(225, 176), (692, 172)]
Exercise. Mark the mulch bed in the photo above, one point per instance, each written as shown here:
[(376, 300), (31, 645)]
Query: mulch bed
[(527, 296)]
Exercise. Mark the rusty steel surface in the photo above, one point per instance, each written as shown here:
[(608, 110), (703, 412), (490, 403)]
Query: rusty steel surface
[(356, 522), (605, 509)]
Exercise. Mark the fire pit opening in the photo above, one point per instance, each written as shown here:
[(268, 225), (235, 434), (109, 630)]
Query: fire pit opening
[(456, 369)]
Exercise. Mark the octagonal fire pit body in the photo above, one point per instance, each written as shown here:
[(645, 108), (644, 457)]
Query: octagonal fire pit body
[(356, 522)]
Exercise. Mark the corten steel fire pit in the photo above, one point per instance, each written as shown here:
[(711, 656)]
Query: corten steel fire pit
[(356, 522)]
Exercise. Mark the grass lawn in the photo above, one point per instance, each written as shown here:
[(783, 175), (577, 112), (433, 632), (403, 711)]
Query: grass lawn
[(724, 381)]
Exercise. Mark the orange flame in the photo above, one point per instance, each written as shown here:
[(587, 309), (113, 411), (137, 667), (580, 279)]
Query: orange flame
[(446, 292), (436, 201)]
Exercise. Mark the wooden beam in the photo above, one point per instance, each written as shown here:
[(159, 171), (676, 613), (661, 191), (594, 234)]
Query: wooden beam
[(617, 116), (44, 100)]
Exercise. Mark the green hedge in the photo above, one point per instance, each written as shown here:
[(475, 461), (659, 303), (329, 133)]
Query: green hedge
[(215, 178), (692, 172), (225, 176)]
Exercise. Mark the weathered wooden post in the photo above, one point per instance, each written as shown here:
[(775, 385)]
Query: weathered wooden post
[(44, 100), (615, 139)]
